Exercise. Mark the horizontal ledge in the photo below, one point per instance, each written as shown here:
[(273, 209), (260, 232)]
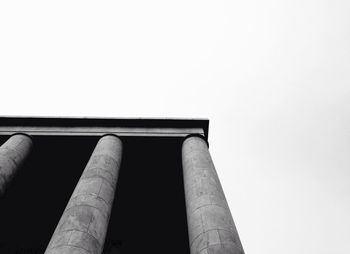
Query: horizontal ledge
[(98, 131), (50, 126)]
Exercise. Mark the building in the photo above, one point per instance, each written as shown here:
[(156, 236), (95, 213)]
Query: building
[(79, 185)]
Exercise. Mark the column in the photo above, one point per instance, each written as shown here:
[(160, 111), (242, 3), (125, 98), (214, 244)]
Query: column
[(12, 155), (210, 225), (83, 226)]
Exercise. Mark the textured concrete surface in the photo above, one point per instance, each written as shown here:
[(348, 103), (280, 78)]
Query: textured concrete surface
[(83, 226), (12, 155), (210, 225)]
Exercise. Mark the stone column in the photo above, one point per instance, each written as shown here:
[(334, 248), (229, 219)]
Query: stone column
[(210, 225), (12, 155), (83, 226)]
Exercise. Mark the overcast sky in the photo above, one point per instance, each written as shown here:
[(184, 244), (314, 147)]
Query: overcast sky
[(272, 76)]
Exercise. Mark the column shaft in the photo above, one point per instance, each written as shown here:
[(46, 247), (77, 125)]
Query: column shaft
[(83, 226), (12, 155), (210, 224)]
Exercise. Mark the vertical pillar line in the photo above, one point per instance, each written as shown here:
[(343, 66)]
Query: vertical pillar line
[(12, 155), (83, 225), (210, 225)]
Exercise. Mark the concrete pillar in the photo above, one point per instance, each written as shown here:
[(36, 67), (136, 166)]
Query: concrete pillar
[(210, 225), (83, 226), (12, 155)]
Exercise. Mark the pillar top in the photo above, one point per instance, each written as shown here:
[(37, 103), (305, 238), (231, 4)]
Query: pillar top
[(198, 136), (82, 126), (110, 134), (23, 134)]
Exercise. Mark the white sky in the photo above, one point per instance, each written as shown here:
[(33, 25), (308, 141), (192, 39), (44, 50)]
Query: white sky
[(272, 76)]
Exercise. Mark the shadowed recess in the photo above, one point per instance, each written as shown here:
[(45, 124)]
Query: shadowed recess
[(148, 214), (36, 198)]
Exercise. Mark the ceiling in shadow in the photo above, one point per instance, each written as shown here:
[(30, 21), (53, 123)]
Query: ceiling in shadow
[(148, 214)]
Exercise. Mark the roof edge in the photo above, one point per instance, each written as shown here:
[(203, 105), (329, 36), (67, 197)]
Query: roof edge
[(106, 122)]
